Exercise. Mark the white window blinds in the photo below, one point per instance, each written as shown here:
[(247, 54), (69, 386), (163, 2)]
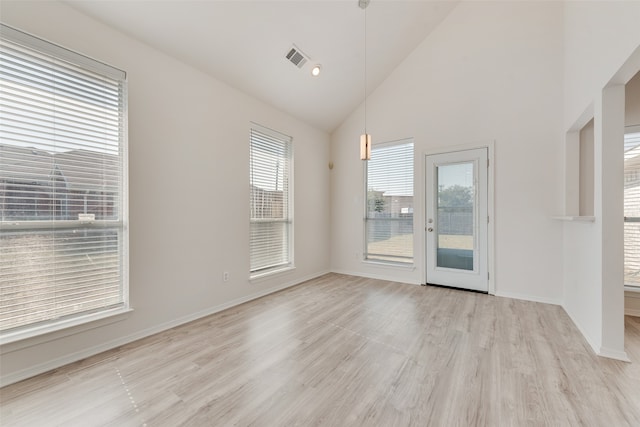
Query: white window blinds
[(270, 201), (62, 184), (389, 208), (632, 209)]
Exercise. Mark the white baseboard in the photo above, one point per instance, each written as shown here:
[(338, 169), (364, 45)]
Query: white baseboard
[(597, 348), (92, 351), (594, 346), (389, 278), (394, 278), (614, 354), (526, 297)]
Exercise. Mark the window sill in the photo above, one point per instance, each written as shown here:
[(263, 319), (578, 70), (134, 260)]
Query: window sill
[(576, 218), (390, 264), (256, 278), (14, 341)]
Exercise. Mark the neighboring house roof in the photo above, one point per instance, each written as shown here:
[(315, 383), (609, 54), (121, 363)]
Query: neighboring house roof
[(23, 164), (88, 170), (631, 164), (79, 170)]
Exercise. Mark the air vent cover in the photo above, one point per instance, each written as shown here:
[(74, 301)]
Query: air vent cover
[(297, 57)]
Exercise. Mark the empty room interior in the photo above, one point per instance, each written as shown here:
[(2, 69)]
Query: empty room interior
[(309, 212)]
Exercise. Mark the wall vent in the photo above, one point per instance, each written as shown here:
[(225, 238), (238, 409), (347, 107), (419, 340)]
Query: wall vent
[(297, 57)]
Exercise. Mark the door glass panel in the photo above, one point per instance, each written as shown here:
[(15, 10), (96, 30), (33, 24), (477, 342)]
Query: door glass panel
[(632, 209), (455, 216)]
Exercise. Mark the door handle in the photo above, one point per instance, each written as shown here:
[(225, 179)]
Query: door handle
[(430, 229)]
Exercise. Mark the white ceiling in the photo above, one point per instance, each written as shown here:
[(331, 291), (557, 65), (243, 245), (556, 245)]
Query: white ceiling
[(244, 43)]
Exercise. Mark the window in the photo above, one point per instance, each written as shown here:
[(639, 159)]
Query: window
[(632, 208), (62, 187), (270, 201), (389, 208)]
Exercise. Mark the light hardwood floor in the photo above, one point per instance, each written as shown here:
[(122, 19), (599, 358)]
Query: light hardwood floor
[(347, 351)]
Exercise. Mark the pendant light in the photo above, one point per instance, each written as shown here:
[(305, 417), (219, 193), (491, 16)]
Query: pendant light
[(365, 138)]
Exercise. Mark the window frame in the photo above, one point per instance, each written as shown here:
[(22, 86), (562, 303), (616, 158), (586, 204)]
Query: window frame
[(262, 272), (101, 315), (365, 254)]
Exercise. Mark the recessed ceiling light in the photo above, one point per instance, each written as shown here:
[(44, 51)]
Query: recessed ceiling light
[(315, 71)]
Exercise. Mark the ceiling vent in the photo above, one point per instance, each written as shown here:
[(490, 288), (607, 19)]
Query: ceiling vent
[(297, 57)]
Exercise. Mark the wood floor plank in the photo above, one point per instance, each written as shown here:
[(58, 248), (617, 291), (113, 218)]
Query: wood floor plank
[(347, 351)]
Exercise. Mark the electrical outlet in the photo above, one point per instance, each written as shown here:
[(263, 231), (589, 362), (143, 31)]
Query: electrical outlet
[(225, 276)]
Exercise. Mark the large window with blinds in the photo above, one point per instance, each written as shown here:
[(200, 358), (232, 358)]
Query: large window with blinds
[(632, 208), (389, 207), (271, 201), (62, 187)]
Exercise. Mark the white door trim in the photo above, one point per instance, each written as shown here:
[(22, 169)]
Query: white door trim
[(490, 146)]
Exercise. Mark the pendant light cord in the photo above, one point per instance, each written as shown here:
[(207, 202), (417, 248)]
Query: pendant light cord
[(365, 70)]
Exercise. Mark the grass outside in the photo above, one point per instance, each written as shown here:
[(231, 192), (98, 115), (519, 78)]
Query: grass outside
[(402, 245)]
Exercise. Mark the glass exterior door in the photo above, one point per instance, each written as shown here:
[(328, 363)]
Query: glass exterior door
[(457, 219)]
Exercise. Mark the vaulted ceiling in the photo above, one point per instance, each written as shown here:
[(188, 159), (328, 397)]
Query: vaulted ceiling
[(244, 44)]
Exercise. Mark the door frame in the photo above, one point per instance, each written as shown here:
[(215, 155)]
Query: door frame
[(490, 146)]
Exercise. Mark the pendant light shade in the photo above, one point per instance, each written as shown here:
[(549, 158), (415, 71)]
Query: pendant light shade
[(365, 146)]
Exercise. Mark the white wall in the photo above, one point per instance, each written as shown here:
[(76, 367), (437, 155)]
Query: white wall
[(189, 190), (586, 170), (599, 36), (601, 41), (492, 71), (632, 304), (632, 101)]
